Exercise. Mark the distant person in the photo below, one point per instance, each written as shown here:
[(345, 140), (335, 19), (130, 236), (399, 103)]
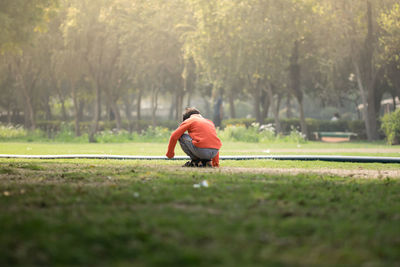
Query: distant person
[(201, 143), (335, 117)]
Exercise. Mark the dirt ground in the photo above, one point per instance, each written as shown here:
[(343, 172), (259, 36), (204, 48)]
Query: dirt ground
[(330, 150), (358, 173)]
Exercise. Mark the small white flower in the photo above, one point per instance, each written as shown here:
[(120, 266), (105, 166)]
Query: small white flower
[(204, 183), (196, 186), (136, 194)]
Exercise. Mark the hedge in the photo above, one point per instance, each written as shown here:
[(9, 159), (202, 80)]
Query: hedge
[(313, 125)]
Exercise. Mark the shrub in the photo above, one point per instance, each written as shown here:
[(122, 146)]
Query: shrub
[(296, 136), (12, 132), (155, 134), (113, 136), (313, 125), (240, 121), (266, 132), (240, 132), (391, 127), (257, 133)]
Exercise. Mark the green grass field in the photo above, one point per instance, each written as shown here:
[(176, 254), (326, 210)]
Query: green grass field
[(155, 213), (228, 148)]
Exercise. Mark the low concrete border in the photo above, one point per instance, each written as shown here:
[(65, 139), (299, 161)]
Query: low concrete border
[(359, 159)]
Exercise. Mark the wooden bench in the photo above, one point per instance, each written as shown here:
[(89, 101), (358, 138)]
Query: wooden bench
[(334, 137)]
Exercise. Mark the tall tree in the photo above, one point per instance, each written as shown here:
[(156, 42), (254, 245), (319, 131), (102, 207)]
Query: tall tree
[(20, 19)]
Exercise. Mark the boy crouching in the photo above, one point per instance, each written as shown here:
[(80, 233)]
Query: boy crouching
[(201, 143)]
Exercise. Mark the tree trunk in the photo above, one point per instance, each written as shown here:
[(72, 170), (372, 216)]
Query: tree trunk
[(128, 112), (172, 107), (30, 122), (96, 118), (189, 98), (9, 114), (370, 77), (303, 123), (179, 103), (274, 108), (27, 124), (257, 102), (154, 105), (15, 117), (63, 110), (256, 88), (117, 115), (48, 117), (48, 109), (232, 110), (207, 107), (138, 110), (265, 103), (364, 102), (218, 110), (365, 77), (109, 113), (288, 107), (76, 112), (295, 80), (113, 109), (278, 103), (81, 109), (373, 117), (394, 102)]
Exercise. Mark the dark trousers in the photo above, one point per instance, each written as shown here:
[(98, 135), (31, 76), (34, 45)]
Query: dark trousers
[(196, 153)]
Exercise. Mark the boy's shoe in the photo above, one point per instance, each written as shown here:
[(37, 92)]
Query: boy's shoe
[(208, 164), (190, 163), (205, 164)]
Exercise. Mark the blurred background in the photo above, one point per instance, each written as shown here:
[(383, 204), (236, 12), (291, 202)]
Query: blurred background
[(86, 66)]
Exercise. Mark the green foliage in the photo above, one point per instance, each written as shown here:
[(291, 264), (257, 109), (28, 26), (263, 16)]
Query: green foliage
[(19, 19), (160, 134), (256, 133), (162, 48), (66, 134), (313, 125), (11, 132), (296, 136), (238, 121), (56, 131), (114, 137), (151, 134), (240, 132), (391, 127), (390, 23)]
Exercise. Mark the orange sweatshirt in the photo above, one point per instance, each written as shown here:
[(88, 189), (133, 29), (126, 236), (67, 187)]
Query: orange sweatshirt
[(203, 133)]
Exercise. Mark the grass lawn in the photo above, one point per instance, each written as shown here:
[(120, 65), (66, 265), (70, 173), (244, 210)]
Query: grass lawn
[(155, 213), (228, 148)]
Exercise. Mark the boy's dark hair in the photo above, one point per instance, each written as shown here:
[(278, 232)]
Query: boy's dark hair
[(189, 112)]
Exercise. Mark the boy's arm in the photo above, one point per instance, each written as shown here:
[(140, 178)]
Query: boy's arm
[(174, 138), (215, 160)]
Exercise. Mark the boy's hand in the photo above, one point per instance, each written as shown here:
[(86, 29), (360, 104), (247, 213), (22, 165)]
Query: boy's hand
[(170, 155)]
